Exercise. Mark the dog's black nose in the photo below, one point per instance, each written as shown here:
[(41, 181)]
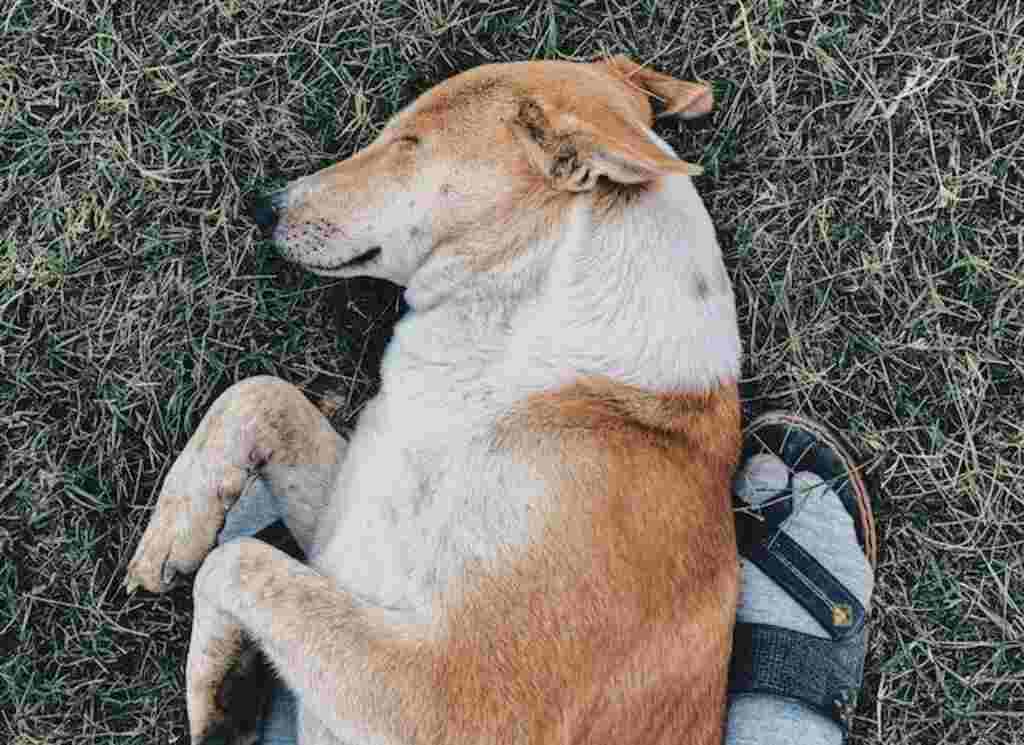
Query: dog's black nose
[(267, 210)]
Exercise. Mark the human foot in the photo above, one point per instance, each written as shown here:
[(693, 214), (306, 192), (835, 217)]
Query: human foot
[(807, 542)]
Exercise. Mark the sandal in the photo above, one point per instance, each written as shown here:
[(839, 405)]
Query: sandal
[(825, 674)]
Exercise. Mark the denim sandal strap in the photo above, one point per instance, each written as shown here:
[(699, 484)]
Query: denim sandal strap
[(821, 673)]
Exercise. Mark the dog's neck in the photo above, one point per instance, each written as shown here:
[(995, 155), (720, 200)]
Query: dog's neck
[(636, 293)]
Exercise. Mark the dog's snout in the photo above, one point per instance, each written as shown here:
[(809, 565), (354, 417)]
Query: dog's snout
[(267, 210)]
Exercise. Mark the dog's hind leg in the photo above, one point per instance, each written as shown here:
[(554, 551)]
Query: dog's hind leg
[(260, 428), (362, 673)]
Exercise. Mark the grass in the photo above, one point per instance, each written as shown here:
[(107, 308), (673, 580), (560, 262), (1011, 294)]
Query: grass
[(862, 167)]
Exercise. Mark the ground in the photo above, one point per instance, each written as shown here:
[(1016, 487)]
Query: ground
[(863, 167)]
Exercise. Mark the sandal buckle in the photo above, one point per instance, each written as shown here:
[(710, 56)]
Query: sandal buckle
[(842, 616)]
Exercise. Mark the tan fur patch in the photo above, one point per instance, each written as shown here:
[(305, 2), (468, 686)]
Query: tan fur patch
[(616, 624)]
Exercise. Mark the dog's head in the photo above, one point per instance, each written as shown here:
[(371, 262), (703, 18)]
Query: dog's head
[(456, 170)]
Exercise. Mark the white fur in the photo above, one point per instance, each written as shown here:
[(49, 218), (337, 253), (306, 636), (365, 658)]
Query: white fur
[(425, 489)]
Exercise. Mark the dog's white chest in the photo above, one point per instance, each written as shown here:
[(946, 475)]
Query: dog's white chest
[(424, 496)]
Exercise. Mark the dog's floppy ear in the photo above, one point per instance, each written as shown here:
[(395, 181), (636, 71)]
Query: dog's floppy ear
[(573, 154), (681, 98)]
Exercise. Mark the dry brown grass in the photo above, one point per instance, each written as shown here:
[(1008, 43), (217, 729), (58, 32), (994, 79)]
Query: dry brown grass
[(863, 168)]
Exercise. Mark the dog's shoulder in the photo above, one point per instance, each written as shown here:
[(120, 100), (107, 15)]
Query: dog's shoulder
[(605, 418)]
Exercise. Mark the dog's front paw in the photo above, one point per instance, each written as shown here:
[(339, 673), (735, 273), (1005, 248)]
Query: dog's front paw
[(189, 514)]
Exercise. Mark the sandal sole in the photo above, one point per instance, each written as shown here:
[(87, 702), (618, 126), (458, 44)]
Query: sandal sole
[(842, 452)]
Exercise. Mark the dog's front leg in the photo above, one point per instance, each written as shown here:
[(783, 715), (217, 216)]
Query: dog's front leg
[(353, 667), (262, 428)]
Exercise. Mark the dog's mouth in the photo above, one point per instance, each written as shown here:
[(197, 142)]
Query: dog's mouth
[(362, 259)]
